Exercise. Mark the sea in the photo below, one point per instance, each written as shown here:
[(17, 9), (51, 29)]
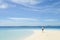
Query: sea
[(28, 27), (21, 32)]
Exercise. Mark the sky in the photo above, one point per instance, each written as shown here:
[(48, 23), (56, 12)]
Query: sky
[(29, 12)]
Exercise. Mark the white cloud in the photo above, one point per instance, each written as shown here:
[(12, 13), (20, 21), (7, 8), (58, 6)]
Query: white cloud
[(31, 2), (28, 22), (28, 3), (50, 20), (19, 22), (3, 5), (19, 19)]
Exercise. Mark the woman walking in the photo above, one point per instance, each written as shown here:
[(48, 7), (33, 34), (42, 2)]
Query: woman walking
[(42, 28)]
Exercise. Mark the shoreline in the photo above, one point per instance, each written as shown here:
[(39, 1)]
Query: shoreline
[(30, 34)]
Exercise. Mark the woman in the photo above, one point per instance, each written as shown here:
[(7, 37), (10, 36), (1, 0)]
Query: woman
[(42, 28)]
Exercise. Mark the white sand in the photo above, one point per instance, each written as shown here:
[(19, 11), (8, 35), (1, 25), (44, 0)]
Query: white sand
[(46, 35)]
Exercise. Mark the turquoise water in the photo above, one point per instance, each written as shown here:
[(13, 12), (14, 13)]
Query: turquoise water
[(14, 34)]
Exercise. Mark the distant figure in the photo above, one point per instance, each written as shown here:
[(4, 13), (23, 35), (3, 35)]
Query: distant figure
[(42, 28)]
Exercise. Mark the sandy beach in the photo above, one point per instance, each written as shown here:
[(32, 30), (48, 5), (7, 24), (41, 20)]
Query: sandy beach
[(46, 35)]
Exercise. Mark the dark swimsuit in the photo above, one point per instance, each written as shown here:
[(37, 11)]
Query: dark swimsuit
[(42, 29)]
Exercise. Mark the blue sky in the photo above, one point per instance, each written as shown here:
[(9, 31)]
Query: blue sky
[(29, 12)]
